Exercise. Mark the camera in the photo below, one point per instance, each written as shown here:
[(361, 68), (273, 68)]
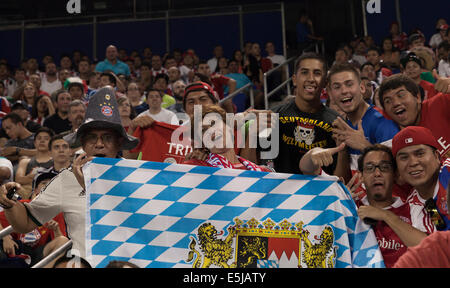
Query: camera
[(12, 195)]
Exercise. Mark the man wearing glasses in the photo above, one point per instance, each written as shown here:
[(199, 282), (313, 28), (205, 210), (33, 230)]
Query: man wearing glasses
[(101, 135), (390, 216), (419, 164)]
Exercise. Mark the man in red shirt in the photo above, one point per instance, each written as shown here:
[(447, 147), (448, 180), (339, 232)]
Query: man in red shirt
[(400, 98), (218, 84)]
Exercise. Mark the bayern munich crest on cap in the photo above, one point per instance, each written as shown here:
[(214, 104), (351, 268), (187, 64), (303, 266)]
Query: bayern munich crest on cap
[(107, 111)]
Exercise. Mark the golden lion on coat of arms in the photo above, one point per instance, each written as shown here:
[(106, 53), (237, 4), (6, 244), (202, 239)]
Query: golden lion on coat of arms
[(322, 254), (215, 251)]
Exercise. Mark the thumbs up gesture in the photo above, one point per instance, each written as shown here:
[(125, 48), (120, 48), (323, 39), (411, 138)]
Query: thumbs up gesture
[(442, 84)]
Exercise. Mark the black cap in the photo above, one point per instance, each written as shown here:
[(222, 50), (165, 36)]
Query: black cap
[(414, 37), (411, 57), (19, 105), (42, 175)]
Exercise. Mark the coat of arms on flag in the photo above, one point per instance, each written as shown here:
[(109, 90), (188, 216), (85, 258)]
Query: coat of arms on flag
[(170, 215), (262, 245)]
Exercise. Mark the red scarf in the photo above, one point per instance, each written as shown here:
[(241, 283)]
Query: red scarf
[(216, 160)]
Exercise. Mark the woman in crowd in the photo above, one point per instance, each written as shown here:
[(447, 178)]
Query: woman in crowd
[(43, 108), (222, 63), (239, 58), (218, 142), (134, 95), (126, 112), (29, 94), (390, 55)]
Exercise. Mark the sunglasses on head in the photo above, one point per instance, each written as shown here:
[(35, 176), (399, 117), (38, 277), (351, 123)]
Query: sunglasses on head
[(431, 208)]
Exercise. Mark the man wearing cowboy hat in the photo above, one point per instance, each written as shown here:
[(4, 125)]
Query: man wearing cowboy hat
[(101, 135)]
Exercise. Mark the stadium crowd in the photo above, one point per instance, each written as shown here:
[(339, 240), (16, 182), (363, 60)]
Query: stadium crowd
[(378, 118)]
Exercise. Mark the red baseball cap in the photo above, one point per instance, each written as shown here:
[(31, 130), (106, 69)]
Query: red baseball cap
[(413, 135)]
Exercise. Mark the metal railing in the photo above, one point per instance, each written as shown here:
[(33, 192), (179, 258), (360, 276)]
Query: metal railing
[(267, 94), (6, 231), (322, 47), (52, 256), (238, 91)]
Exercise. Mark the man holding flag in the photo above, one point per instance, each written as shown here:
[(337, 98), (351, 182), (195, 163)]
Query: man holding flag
[(101, 135)]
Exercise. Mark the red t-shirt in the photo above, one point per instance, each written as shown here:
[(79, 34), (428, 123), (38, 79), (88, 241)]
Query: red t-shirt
[(401, 191), (432, 252), (155, 143), (391, 246), (435, 115), (4, 105), (266, 64), (428, 88), (219, 82)]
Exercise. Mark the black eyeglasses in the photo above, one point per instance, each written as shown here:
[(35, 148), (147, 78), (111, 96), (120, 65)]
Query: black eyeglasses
[(383, 166), (431, 208), (92, 138)]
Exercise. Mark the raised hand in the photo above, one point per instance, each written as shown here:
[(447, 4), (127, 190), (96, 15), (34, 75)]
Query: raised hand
[(324, 157), (355, 139), (442, 84), (353, 185)]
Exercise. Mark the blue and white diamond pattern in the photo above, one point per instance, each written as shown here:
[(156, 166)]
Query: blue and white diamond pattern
[(147, 212)]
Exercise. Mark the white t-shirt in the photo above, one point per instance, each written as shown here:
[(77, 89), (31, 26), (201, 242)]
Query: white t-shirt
[(50, 87), (435, 40), (184, 73), (164, 115), (277, 59), (6, 163), (64, 195), (10, 86), (361, 59), (444, 68), (212, 63)]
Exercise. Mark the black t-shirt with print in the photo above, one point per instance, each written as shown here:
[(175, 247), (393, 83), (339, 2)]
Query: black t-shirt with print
[(299, 133)]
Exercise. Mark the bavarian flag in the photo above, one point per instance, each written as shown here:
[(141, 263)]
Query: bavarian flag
[(172, 215)]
